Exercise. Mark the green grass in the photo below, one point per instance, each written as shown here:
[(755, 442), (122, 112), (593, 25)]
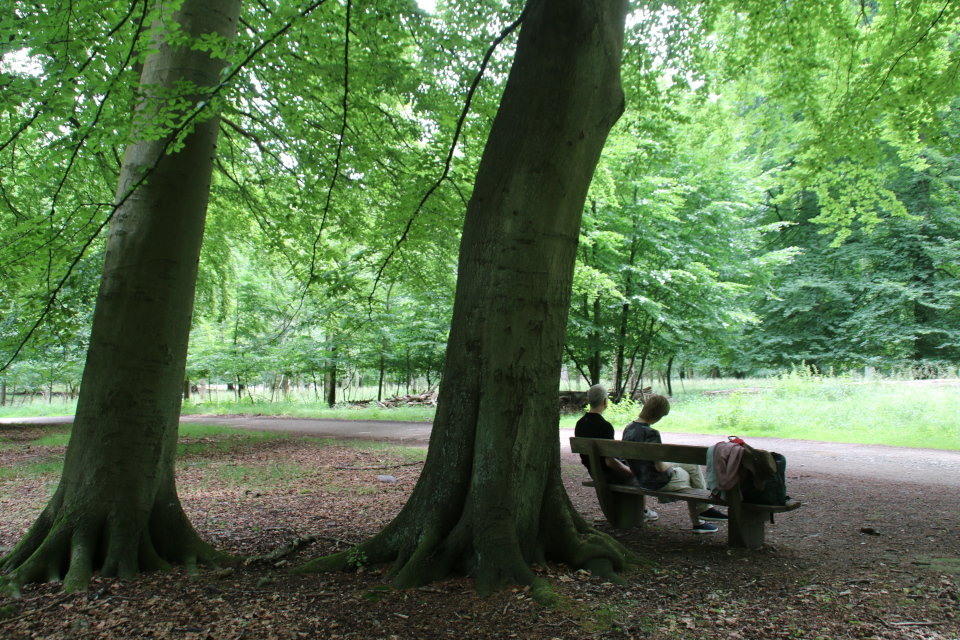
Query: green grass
[(265, 476), (318, 410), (38, 408), (814, 408), (47, 467), (407, 454), (55, 439), (219, 439)]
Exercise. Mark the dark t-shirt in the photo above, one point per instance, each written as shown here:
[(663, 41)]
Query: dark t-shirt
[(646, 473), (593, 425)]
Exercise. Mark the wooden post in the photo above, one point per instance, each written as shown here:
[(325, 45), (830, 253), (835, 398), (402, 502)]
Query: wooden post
[(745, 527), (622, 510)]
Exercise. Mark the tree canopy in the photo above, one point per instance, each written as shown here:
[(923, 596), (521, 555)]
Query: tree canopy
[(350, 135)]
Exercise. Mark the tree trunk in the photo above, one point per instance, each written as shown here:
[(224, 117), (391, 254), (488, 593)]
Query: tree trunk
[(382, 369), (619, 381), (669, 371), (330, 379), (3, 393), (490, 500), (116, 509), (596, 357)]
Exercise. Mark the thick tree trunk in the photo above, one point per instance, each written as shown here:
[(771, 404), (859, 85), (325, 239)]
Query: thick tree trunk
[(490, 500), (116, 509)]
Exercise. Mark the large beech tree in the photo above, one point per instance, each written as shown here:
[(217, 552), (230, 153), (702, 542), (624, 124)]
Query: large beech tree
[(116, 509), (490, 500)]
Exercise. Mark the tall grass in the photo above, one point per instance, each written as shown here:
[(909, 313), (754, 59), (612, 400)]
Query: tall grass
[(798, 405), (896, 414)]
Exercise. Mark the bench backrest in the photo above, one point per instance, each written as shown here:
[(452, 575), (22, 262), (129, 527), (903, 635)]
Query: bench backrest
[(682, 453)]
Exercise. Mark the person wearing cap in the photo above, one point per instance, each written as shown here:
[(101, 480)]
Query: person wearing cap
[(668, 476)]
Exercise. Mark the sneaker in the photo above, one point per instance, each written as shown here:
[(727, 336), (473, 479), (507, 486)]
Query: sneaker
[(649, 515), (704, 527), (714, 515)]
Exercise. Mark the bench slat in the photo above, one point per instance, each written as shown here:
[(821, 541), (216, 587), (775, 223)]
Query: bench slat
[(681, 453), (698, 495)]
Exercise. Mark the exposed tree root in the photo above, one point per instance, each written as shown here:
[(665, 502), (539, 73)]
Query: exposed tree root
[(72, 543), (487, 548)]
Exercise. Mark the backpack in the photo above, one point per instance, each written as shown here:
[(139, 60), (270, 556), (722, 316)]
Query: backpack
[(774, 489)]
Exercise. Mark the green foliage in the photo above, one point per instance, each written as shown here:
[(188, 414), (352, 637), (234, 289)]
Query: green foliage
[(752, 127), (357, 558), (623, 412)]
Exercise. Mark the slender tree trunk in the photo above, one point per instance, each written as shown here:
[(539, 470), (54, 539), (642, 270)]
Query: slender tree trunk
[(490, 500), (116, 509), (3, 393), (382, 369), (330, 379), (619, 381), (409, 373), (669, 370), (594, 363)]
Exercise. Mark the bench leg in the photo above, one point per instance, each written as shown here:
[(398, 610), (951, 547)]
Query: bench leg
[(746, 528), (627, 510)]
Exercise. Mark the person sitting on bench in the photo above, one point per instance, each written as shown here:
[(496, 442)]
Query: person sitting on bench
[(594, 425), (667, 476)]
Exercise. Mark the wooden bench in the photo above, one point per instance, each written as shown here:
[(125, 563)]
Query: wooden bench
[(623, 505)]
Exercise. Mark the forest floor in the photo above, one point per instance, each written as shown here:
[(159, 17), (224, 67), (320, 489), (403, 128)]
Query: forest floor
[(863, 558)]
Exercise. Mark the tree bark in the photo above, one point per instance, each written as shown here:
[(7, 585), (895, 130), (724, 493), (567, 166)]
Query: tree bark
[(330, 379), (116, 508), (490, 500), (382, 369), (594, 363), (619, 381), (669, 372)]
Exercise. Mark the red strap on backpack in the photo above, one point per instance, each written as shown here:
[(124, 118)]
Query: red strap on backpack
[(736, 440)]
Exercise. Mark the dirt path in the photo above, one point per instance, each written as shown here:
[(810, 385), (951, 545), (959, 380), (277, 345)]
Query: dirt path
[(935, 467)]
